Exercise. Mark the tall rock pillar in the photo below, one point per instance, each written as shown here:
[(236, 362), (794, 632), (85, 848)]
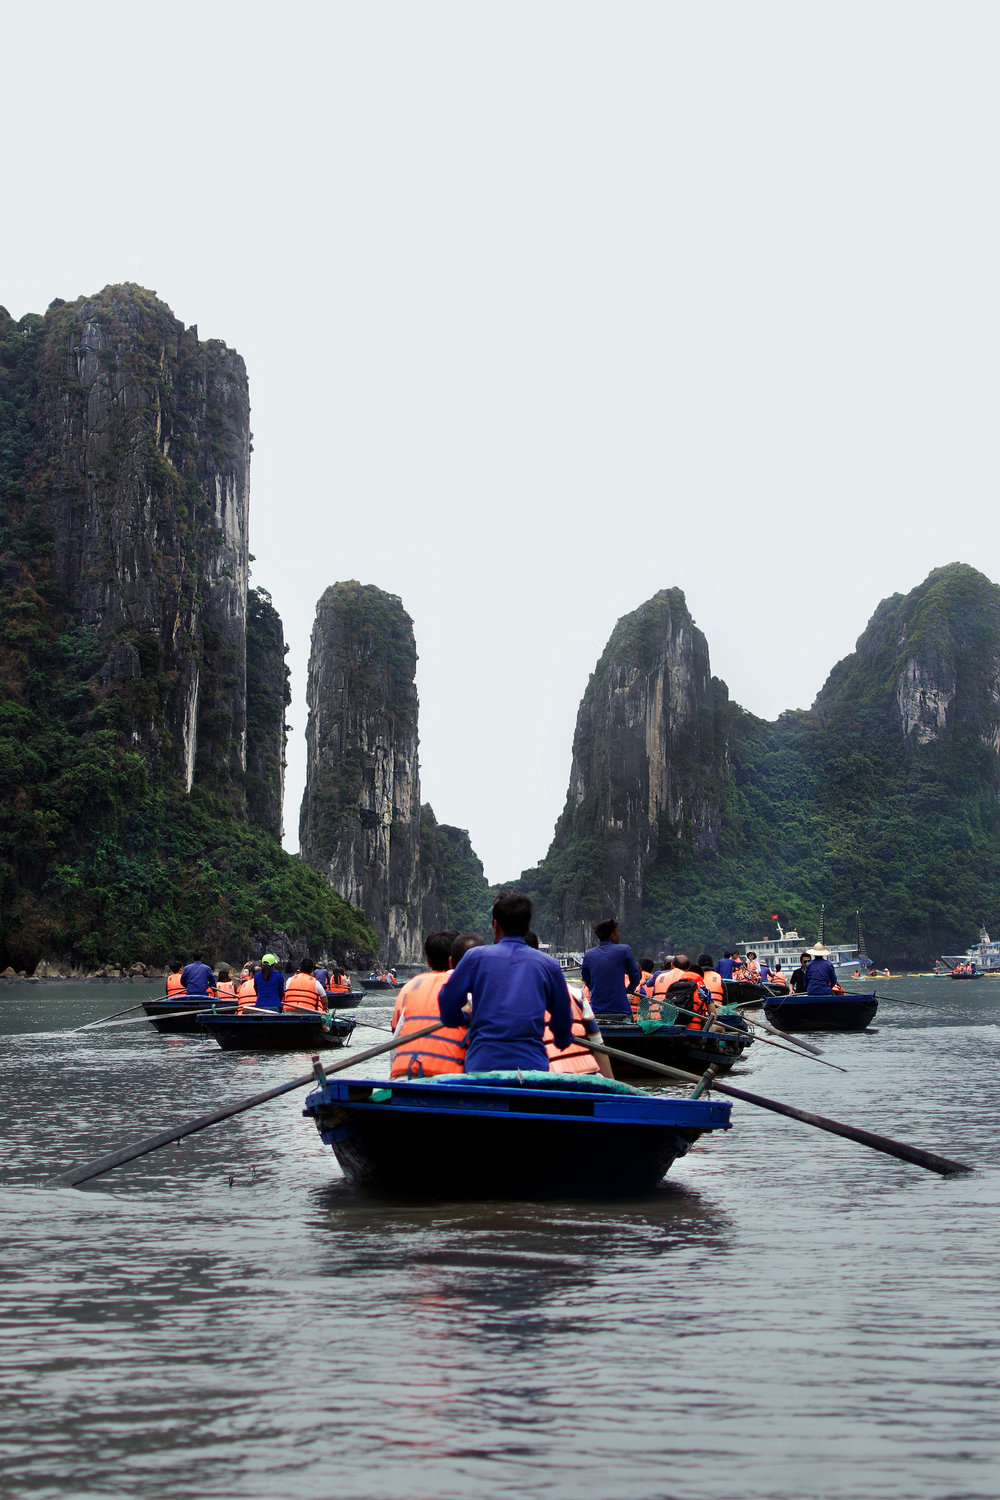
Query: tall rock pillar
[(360, 819)]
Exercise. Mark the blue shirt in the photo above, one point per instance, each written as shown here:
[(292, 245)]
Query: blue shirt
[(820, 975), (724, 968), (323, 975), (603, 972), (270, 990), (197, 979), (512, 987)]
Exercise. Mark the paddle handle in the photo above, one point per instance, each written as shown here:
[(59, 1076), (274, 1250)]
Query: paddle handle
[(88, 1170)]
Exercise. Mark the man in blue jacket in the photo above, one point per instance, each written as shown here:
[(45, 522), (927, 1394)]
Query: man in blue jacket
[(821, 976), (197, 978), (605, 968), (511, 986)]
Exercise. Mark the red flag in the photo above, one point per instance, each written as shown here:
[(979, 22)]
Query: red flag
[(774, 916)]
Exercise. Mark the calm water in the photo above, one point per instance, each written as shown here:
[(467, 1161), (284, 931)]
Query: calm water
[(789, 1316)]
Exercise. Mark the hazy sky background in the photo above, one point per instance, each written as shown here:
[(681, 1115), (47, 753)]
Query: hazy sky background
[(548, 306)]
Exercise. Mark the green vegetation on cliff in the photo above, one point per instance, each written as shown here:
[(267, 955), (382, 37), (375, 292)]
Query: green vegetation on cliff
[(884, 796), (104, 855)]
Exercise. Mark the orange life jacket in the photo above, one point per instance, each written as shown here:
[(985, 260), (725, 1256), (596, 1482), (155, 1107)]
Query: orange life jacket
[(174, 986), (417, 1007), (644, 977), (340, 986), (300, 994), (573, 1059), (225, 987), (692, 1000), (713, 983)]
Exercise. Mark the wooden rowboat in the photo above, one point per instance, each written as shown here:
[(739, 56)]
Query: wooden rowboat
[(507, 1135), (179, 1015), (822, 1012), (277, 1031), (675, 1046)]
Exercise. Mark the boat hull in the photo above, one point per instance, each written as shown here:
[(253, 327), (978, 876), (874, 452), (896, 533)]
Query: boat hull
[(377, 984), (495, 1138), (277, 1032), (674, 1047), (822, 1012), (180, 1017)]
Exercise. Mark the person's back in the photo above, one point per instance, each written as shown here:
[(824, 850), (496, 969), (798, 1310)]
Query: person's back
[(511, 987), (323, 975), (303, 992), (725, 967), (712, 978), (609, 970), (197, 978), (269, 983), (820, 976)]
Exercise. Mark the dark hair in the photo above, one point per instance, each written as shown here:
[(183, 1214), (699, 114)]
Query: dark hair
[(225, 972), (512, 913), (531, 938), (706, 961), (175, 964), (603, 930), (727, 954), (197, 956), (437, 946), (646, 965), (805, 955), (306, 966), (462, 944)]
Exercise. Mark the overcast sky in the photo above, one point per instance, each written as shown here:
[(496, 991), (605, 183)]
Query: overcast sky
[(548, 306)]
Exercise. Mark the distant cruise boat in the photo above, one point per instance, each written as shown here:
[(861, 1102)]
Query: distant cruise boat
[(984, 955), (788, 945)]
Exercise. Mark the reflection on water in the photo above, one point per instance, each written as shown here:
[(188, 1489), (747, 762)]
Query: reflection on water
[(789, 1316)]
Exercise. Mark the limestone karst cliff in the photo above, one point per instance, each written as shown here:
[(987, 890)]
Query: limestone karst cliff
[(361, 822), (124, 765), (696, 822)]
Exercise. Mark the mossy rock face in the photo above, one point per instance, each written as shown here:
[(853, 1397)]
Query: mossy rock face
[(125, 678), (883, 797)]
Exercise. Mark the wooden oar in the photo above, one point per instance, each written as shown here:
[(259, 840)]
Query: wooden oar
[(808, 1055), (114, 1013), (926, 1159), (922, 1004), (786, 1036), (163, 1015), (167, 1137)]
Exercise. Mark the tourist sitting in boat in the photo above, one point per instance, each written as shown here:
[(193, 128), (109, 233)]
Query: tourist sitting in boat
[(225, 985), (647, 968), (574, 1058), (461, 946), (339, 983), (197, 978), (268, 983), (712, 980), (416, 1007), (797, 978), (511, 987), (303, 992), (246, 994), (175, 984), (726, 965), (778, 975), (609, 968)]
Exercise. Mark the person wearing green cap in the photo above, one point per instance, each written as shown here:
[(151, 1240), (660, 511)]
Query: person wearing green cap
[(269, 983)]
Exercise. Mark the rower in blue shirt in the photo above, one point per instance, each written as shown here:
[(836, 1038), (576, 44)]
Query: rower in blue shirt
[(511, 987), (197, 978), (269, 983), (604, 970), (821, 976), (724, 968)]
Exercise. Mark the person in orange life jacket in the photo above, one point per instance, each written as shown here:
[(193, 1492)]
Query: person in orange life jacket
[(197, 978), (269, 983), (512, 986), (693, 996), (175, 985), (754, 967), (574, 1058), (339, 983), (225, 985), (778, 976), (713, 980), (416, 1007), (303, 992), (647, 968), (606, 968)]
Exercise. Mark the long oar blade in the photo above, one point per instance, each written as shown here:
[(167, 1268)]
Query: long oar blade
[(104, 1164), (807, 1055), (919, 1158), (102, 1020)]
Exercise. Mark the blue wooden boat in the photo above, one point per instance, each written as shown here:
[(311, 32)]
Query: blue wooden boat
[(276, 1031), (378, 984), (675, 1046), (845, 1012), (507, 1135), (179, 1015)]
